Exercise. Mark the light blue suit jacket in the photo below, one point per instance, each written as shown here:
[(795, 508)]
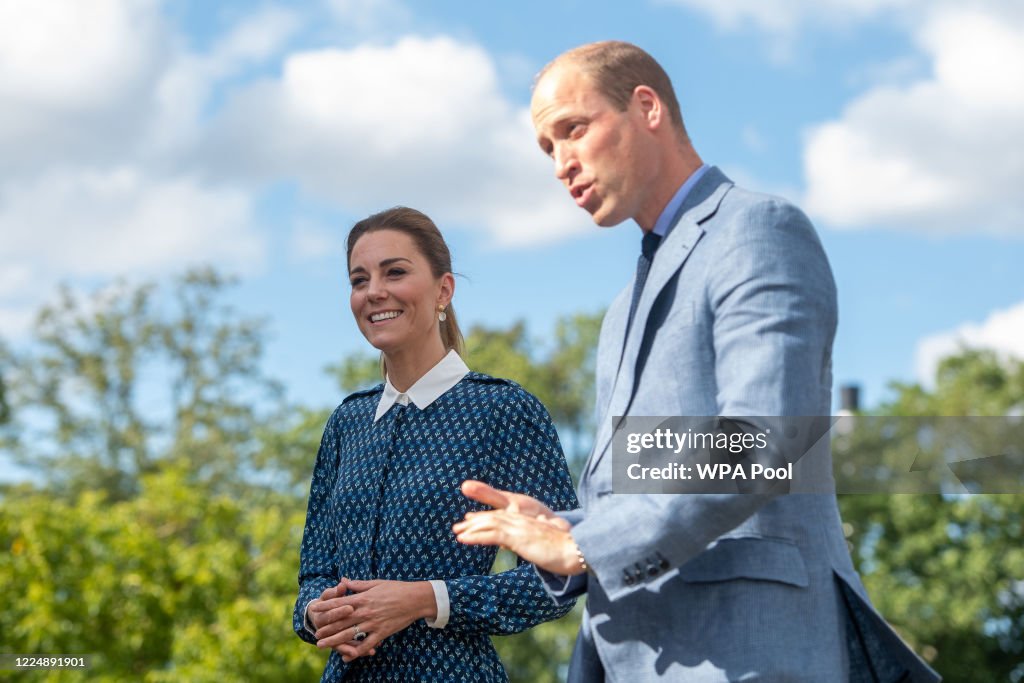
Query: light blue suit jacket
[(737, 318)]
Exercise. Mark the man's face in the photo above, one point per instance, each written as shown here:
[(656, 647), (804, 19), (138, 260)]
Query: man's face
[(601, 153)]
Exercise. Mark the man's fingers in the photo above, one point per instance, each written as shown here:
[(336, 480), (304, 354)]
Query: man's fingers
[(482, 493), (479, 520), (556, 522), (480, 531)]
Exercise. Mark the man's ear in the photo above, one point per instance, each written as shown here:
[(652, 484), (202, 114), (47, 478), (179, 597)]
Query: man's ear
[(648, 105)]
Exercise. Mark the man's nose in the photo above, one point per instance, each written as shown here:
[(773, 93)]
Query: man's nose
[(566, 164)]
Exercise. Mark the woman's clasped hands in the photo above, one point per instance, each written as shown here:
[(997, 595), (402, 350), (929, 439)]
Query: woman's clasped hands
[(355, 617)]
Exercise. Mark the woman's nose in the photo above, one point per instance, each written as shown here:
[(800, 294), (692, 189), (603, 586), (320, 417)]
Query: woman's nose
[(375, 288)]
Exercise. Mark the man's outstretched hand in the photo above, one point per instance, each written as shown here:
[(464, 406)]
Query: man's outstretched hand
[(521, 524)]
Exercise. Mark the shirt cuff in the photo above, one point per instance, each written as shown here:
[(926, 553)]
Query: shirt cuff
[(443, 605), (305, 619)]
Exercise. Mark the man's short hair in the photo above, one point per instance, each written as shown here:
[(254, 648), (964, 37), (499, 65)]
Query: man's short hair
[(617, 68)]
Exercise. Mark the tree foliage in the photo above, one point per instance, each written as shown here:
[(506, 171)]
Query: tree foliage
[(180, 583), (118, 383), (946, 570), (164, 540), (162, 533)]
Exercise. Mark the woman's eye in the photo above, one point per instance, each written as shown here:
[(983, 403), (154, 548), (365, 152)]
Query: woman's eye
[(356, 281), (396, 272)]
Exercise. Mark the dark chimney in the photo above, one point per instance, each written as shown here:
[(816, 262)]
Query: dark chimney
[(849, 397)]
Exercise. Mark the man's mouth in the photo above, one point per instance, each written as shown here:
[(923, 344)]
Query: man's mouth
[(384, 315), (582, 193)]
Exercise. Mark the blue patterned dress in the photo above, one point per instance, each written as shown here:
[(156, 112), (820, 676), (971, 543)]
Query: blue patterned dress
[(382, 502)]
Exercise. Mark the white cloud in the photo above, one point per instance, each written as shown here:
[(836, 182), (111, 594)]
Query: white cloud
[(184, 89), (782, 20), (109, 81), (1002, 331), (786, 16), (310, 241), (99, 103), (921, 152), (74, 223), (752, 139), (421, 122), (73, 55), (939, 154), (74, 77), (366, 16)]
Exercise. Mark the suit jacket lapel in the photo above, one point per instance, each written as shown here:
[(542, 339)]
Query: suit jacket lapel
[(700, 205)]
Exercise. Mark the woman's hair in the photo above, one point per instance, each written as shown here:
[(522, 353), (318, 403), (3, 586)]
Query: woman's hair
[(429, 242)]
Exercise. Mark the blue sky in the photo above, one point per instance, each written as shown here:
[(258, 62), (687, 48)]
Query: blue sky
[(139, 137)]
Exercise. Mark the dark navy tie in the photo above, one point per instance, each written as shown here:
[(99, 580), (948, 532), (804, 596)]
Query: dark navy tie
[(648, 246)]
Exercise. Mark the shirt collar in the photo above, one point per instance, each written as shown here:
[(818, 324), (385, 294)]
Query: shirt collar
[(667, 220), (428, 388)]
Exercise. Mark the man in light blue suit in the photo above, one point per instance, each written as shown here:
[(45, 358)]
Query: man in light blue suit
[(732, 313)]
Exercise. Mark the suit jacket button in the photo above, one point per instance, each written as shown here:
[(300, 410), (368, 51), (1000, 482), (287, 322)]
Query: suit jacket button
[(628, 578), (662, 562), (638, 575), (652, 570)]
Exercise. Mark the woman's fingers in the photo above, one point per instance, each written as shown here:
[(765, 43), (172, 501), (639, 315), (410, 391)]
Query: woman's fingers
[(354, 649), (332, 638)]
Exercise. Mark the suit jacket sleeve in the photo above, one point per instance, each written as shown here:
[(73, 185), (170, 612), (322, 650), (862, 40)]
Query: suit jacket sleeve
[(526, 458), (565, 589), (772, 299)]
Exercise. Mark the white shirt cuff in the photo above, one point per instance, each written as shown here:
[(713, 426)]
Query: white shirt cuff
[(305, 619), (443, 605)]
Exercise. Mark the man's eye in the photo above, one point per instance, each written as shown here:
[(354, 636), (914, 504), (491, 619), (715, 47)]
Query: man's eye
[(576, 130)]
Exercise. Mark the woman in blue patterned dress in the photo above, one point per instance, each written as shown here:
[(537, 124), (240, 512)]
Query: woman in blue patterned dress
[(382, 580)]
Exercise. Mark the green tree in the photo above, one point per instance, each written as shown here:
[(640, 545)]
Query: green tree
[(115, 384), (946, 570), (179, 583), (164, 540)]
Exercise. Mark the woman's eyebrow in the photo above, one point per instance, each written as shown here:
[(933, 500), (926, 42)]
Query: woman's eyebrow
[(389, 261), (384, 263)]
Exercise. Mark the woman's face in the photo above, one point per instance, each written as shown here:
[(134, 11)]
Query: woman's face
[(395, 297)]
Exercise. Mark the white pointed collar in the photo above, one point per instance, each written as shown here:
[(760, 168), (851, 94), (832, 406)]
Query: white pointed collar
[(428, 388)]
